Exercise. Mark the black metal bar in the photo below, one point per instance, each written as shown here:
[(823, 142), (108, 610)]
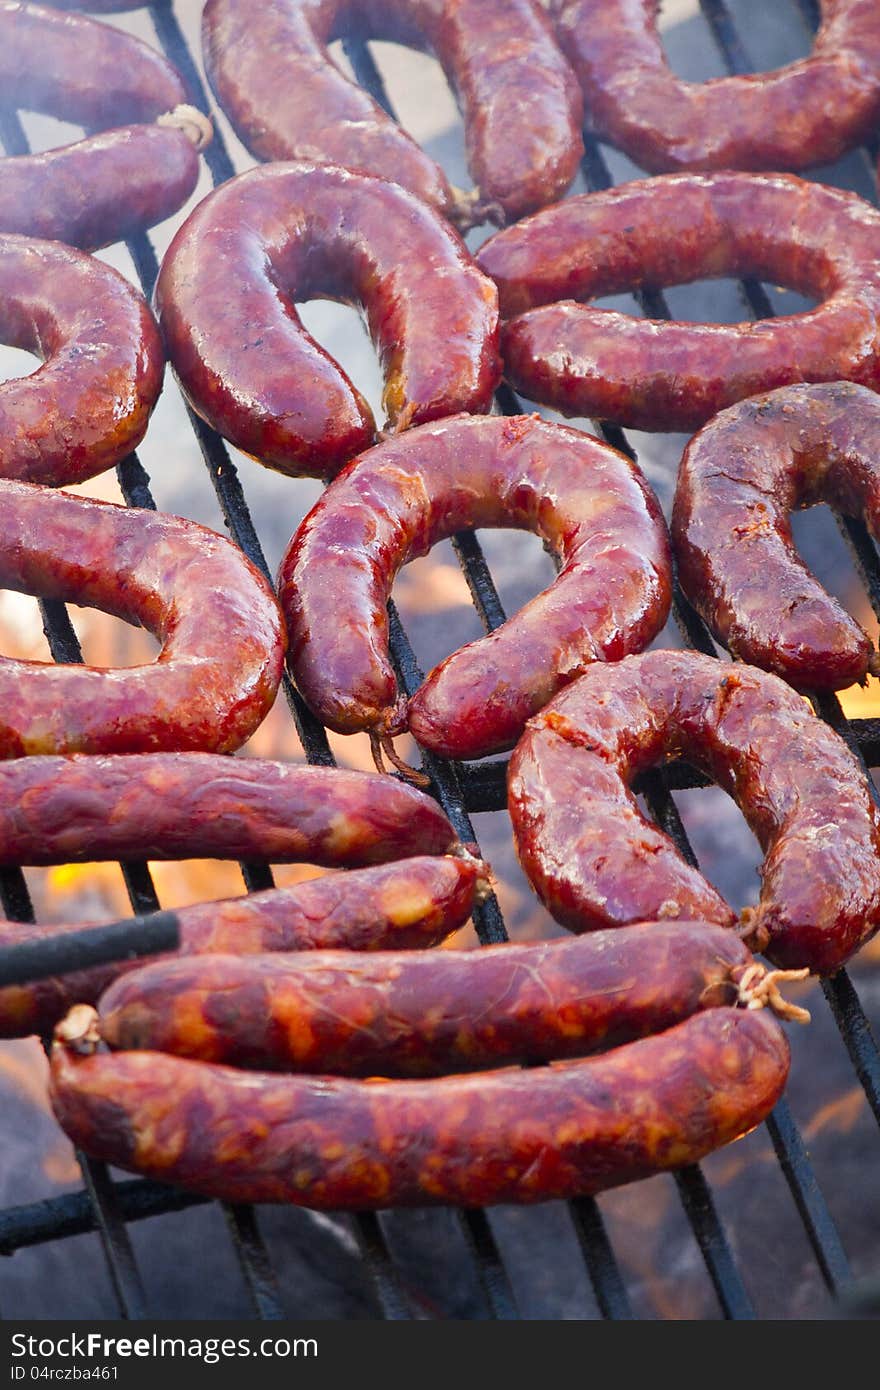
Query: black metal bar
[(56, 955), (812, 1206), (700, 1208), (255, 1263), (856, 1033), (73, 1213), (384, 1278), (602, 1267), (490, 1266)]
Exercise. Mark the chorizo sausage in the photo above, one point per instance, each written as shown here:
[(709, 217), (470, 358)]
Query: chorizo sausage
[(56, 810), (221, 631), (273, 76), (88, 405), (657, 375), (808, 112), (595, 861), (586, 501), (425, 1013), (108, 185), (565, 1130), (739, 479), (291, 231), (406, 905)]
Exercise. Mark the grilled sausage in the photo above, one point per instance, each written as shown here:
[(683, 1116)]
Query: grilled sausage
[(109, 185), (565, 1130), (206, 805), (273, 76), (588, 503), (291, 231), (595, 861), (808, 112), (739, 479), (656, 375), (215, 615), (410, 904), (88, 405), (425, 1013)]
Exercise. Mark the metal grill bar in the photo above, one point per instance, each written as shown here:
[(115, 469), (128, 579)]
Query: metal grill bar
[(697, 1201)]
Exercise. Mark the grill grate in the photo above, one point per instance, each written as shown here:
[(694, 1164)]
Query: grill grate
[(107, 1206)]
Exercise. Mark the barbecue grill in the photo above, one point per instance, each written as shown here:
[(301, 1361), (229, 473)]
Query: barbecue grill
[(496, 1256)]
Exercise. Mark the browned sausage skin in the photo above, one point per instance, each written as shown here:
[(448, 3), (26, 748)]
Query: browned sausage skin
[(407, 905), (426, 1013), (109, 185), (595, 861), (658, 375), (271, 72), (565, 1130), (221, 631), (587, 502), (740, 477), (808, 112), (88, 405), (293, 231)]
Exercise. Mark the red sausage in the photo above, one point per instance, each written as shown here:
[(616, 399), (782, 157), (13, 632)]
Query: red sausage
[(806, 113), (109, 185), (595, 861), (656, 375), (424, 1013), (273, 75), (88, 405), (209, 806), (406, 905), (222, 634), (293, 231), (588, 503), (739, 479), (565, 1130)]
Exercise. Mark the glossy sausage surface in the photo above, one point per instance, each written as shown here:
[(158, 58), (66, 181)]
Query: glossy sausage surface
[(589, 504), (596, 861), (659, 375), (273, 235), (565, 1130)]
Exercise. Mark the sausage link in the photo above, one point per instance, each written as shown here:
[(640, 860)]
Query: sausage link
[(207, 805), (657, 375), (220, 629), (273, 76), (406, 905), (566, 1130), (739, 479), (422, 1014), (595, 861), (89, 404), (292, 231), (588, 503), (809, 112)]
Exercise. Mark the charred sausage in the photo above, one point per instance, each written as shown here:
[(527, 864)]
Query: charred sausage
[(657, 375), (88, 405), (405, 905), (808, 112), (565, 1130), (739, 479), (273, 76), (221, 631), (595, 861), (587, 502), (291, 231)]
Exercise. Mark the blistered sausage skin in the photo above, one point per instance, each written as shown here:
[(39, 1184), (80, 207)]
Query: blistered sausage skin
[(88, 405), (566, 1130), (221, 632), (409, 904), (740, 477), (659, 375), (273, 235), (596, 861), (126, 178), (272, 74), (207, 805), (809, 112), (588, 503), (426, 1013)]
